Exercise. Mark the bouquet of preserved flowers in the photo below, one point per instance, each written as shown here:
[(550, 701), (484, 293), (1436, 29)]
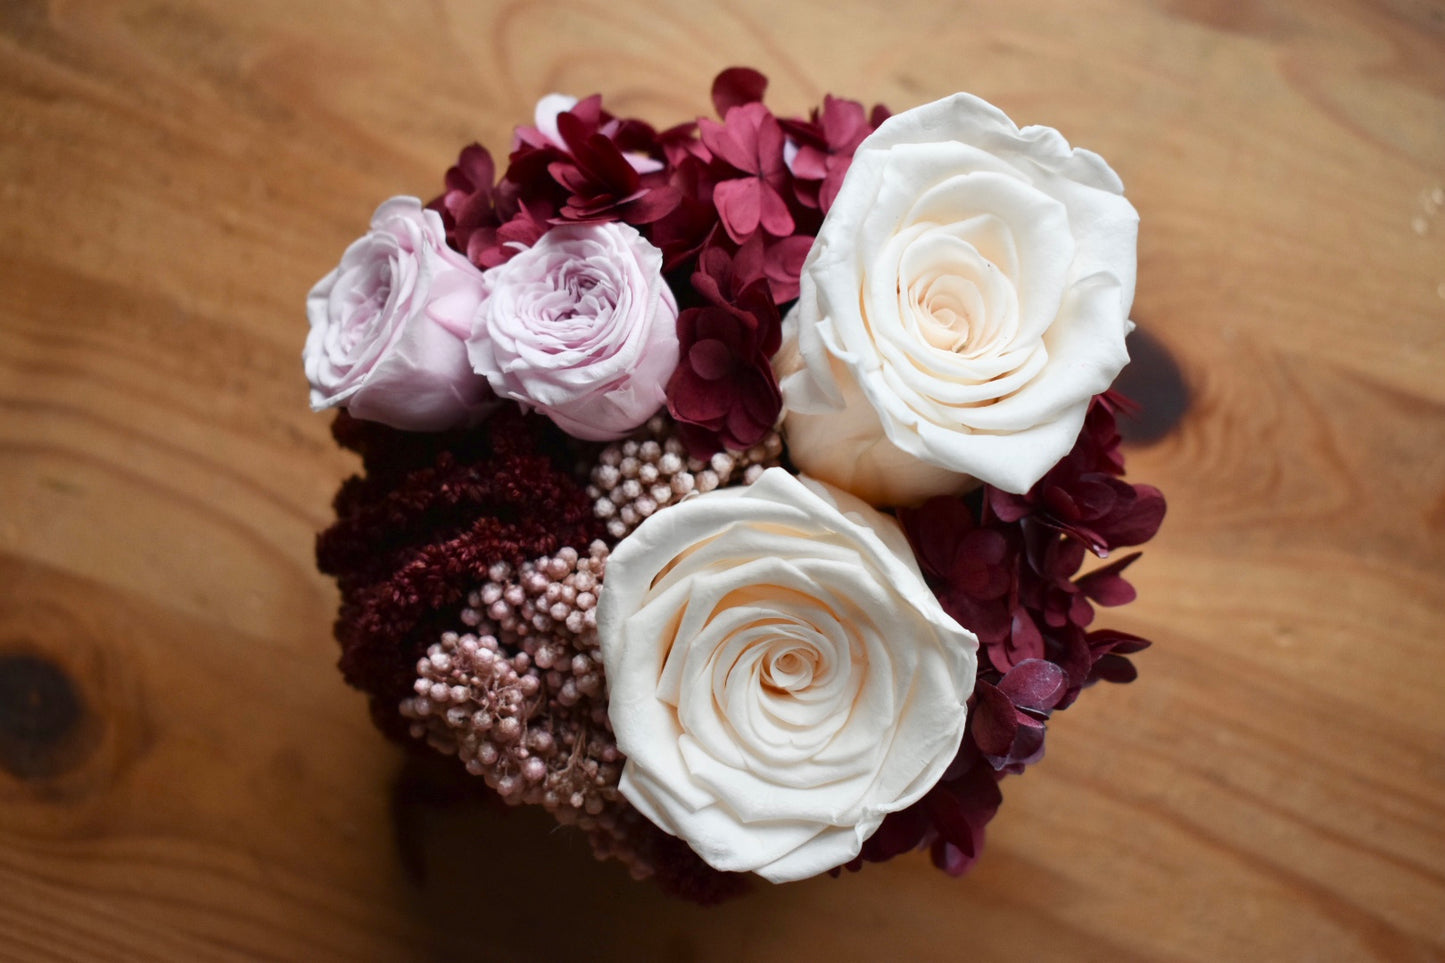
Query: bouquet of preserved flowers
[(726, 487)]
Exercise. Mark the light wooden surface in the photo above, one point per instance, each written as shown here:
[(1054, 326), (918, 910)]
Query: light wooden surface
[(174, 176)]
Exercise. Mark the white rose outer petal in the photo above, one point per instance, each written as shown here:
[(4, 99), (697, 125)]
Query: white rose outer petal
[(780, 676), (967, 295)]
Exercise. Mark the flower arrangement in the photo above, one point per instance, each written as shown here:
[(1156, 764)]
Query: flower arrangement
[(726, 488)]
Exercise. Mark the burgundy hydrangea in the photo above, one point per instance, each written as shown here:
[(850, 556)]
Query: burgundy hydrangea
[(1010, 576), (824, 146), (724, 394), (1083, 496)]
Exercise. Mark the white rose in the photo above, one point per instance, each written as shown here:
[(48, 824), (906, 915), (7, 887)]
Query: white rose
[(967, 295), (780, 676)]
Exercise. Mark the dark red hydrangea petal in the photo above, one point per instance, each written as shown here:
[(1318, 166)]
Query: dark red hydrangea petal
[(467, 205), (737, 86), (1027, 748), (688, 227), (992, 621), (899, 833), (589, 177), (783, 265), (1025, 642), (1036, 685), (935, 529), (710, 359), (724, 389), (1112, 640), (950, 819), (1141, 521), (418, 531), (825, 146), (1115, 668), (1082, 495), (994, 722), (750, 141), (975, 798), (1105, 585)]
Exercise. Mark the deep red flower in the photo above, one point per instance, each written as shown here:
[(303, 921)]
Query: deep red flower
[(723, 393), (824, 147), (750, 141), (1007, 723), (1082, 495), (466, 205)]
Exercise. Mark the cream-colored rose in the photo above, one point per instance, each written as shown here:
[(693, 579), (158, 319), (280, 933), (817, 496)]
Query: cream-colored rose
[(967, 295), (780, 676)]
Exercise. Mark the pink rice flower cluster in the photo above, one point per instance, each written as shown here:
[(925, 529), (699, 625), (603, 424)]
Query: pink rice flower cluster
[(634, 479), (519, 696)]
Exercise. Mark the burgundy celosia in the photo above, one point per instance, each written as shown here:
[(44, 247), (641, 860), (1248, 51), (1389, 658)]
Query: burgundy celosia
[(433, 513)]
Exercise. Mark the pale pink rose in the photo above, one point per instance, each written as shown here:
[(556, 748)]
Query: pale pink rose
[(389, 326), (582, 327)]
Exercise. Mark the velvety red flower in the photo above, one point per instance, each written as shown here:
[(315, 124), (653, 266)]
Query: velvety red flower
[(723, 393)]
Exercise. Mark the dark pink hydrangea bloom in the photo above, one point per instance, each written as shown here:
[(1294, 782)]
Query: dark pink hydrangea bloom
[(724, 394)]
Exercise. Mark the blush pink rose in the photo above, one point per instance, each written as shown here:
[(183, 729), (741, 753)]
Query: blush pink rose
[(389, 326), (582, 327)]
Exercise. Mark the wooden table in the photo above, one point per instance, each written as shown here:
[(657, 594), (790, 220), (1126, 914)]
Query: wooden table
[(184, 776)]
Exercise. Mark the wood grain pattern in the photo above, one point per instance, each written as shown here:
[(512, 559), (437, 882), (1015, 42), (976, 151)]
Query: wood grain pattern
[(175, 175)]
